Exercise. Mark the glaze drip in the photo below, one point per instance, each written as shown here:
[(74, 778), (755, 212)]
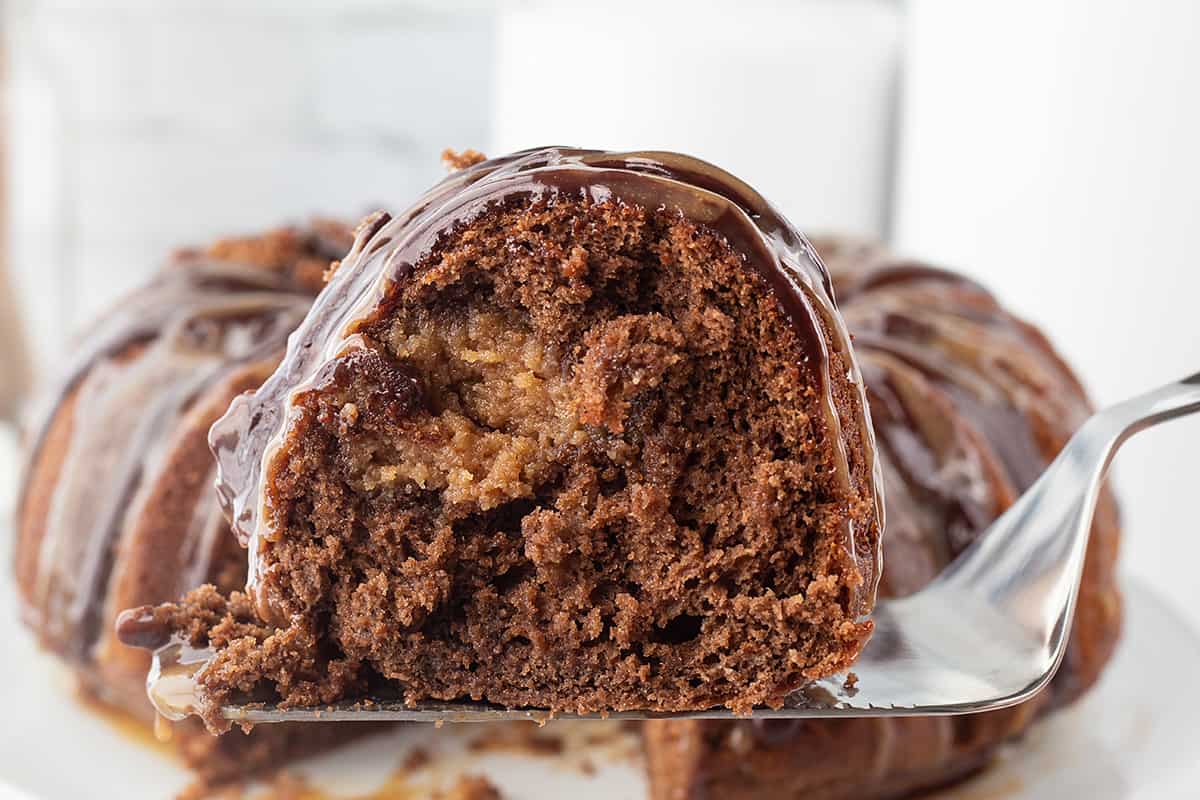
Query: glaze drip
[(963, 397), (134, 377)]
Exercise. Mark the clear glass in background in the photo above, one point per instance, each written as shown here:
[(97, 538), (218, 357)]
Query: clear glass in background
[(796, 98), (140, 126), (14, 360), (1051, 149)]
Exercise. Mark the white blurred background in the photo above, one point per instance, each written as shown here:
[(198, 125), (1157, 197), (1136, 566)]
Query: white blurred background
[(1048, 147)]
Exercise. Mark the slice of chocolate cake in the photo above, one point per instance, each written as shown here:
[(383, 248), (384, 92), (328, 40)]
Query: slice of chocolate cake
[(580, 431)]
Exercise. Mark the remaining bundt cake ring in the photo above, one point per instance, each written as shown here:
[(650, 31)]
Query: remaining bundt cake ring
[(969, 405), (117, 507), (580, 431)]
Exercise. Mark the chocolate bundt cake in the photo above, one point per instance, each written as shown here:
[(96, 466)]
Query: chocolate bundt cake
[(969, 405), (117, 507), (580, 431)]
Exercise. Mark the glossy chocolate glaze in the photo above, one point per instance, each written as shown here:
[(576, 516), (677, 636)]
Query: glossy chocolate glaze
[(387, 250), (133, 379), (963, 396)]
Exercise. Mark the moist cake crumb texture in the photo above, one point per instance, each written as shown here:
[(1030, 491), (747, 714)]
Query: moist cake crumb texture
[(558, 481)]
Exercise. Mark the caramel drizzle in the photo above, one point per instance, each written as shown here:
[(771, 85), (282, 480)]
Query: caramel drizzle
[(193, 325), (386, 250)]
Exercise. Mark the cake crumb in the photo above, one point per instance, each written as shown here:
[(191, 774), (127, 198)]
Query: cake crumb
[(302, 253), (287, 786), (349, 415), (454, 160), (417, 758), (518, 737), (470, 787)]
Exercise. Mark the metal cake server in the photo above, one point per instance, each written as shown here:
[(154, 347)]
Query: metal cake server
[(989, 632)]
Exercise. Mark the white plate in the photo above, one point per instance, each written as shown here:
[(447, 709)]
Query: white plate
[(1137, 735)]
